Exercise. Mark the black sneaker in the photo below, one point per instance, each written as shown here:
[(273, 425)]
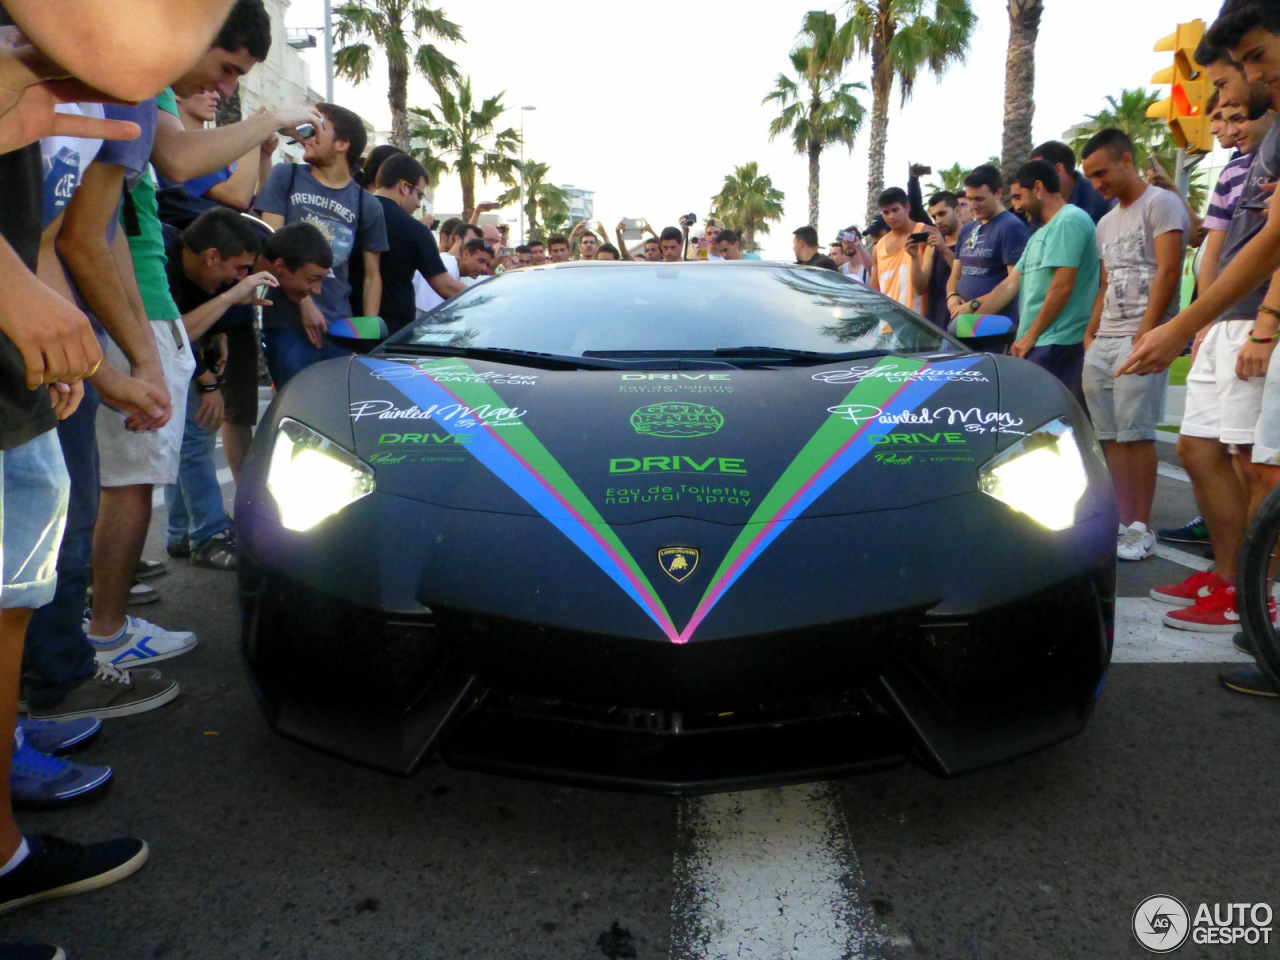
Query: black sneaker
[(149, 570), (217, 553), (31, 951), (60, 868), (179, 550), (1193, 532), (1242, 643), (1248, 680)]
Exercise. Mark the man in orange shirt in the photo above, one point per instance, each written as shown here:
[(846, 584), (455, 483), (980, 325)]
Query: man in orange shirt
[(891, 261)]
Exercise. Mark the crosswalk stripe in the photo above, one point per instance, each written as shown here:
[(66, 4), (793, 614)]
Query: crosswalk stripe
[(1142, 637)]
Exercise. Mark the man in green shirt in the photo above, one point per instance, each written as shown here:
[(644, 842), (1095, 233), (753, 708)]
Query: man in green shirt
[(1055, 281)]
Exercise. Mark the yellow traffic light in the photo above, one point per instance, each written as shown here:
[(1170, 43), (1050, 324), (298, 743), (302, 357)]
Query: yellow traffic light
[(1185, 107)]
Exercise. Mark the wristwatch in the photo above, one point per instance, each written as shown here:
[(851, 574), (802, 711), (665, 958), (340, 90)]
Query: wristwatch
[(974, 304)]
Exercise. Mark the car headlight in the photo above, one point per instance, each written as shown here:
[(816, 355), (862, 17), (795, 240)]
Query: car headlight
[(311, 477), (1042, 475)]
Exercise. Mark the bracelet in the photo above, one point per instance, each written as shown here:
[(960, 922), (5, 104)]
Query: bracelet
[(1271, 339), (205, 387), (1263, 308), (956, 295)]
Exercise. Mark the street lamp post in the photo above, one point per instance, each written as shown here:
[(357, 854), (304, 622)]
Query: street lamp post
[(328, 51), (523, 111)]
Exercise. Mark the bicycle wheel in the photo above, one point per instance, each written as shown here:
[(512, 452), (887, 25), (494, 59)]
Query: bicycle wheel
[(1258, 576)]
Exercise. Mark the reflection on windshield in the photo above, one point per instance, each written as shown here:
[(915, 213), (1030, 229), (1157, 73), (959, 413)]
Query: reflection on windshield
[(696, 307)]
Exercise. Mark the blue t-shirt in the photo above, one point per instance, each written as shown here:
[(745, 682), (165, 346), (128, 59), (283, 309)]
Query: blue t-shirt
[(202, 185), (335, 213), (986, 252)]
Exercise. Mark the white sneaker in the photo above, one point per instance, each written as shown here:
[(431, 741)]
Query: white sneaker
[(1136, 543), (143, 642)]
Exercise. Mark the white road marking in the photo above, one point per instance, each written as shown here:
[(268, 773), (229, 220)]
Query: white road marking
[(1174, 555), (1172, 471), (157, 495), (771, 874), (1142, 637)]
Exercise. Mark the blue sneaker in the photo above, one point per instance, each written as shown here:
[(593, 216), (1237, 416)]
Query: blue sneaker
[(60, 868), (39, 780), (58, 736)]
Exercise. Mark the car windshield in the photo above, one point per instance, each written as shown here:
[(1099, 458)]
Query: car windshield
[(632, 308)]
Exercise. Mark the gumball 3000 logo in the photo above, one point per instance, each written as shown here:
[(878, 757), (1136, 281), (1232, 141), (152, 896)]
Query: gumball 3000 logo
[(677, 420)]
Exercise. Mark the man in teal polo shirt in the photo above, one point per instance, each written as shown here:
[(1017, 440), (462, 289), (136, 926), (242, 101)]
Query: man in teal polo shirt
[(1056, 281)]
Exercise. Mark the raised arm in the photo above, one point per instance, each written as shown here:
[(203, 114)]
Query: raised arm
[(181, 154)]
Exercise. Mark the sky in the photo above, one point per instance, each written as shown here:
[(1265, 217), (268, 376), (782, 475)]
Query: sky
[(651, 105)]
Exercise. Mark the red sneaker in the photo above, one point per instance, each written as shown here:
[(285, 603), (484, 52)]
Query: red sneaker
[(1191, 590), (1215, 613)]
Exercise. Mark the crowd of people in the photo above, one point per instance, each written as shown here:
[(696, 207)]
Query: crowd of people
[(129, 336)]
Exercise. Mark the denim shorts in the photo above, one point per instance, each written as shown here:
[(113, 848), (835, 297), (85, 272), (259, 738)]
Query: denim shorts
[(34, 487)]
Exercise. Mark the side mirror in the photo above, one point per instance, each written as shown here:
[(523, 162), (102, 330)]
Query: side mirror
[(987, 333), (358, 334)]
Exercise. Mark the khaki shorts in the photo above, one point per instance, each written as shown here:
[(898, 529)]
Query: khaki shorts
[(1123, 409), (127, 458)]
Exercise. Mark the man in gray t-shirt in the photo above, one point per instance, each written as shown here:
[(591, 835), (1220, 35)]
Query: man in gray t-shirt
[(1142, 241), (321, 192)]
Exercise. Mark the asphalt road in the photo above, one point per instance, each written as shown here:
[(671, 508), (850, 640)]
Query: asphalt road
[(262, 848)]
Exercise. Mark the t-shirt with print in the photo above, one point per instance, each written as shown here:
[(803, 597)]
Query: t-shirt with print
[(986, 252), (1226, 192), (65, 159), (1068, 240), (412, 249), (334, 212), (1127, 244), (139, 212), (1247, 219)]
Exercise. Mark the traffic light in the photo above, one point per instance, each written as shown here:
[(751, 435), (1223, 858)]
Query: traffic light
[(1184, 108)]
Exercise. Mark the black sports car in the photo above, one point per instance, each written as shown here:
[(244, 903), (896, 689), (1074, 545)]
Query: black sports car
[(676, 527)]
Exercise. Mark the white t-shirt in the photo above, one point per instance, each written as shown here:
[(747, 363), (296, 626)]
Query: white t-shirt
[(423, 296), (859, 274)]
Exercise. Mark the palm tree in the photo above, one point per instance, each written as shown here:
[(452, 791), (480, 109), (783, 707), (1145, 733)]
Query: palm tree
[(460, 130), (1020, 83), (542, 200), (395, 26), (747, 202), (1151, 138), (950, 179), (818, 108), (902, 38)]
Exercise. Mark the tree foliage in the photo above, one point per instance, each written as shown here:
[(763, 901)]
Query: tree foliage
[(394, 26), (748, 202), (544, 202), (819, 109), (462, 134)]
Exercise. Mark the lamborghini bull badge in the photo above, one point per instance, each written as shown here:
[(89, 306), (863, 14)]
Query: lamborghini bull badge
[(678, 563)]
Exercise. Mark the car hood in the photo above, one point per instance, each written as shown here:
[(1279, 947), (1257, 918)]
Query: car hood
[(725, 445)]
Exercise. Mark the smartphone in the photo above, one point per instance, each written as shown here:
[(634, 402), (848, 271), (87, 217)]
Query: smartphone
[(919, 238), (1151, 161)]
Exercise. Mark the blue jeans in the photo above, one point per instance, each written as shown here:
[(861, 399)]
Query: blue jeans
[(57, 656), (195, 501), (33, 511), (289, 352)]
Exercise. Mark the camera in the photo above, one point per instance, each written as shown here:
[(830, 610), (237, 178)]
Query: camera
[(306, 131), (921, 237), (688, 220)]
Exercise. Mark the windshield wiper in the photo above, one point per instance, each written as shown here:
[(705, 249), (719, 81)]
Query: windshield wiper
[(526, 358), (799, 356), (733, 356)]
